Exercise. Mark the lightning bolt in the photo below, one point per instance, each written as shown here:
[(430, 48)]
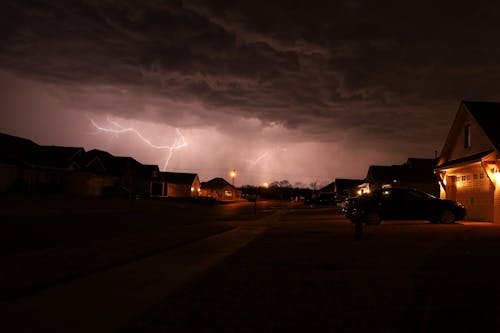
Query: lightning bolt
[(179, 142), (259, 158)]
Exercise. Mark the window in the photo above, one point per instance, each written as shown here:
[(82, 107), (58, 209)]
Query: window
[(467, 136), (481, 175), (463, 178), (475, 176)]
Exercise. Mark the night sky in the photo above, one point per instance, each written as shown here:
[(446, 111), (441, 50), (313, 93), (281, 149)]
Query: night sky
[(307, 91)]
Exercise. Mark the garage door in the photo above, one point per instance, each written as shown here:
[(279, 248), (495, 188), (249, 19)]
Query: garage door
[(475, 191)]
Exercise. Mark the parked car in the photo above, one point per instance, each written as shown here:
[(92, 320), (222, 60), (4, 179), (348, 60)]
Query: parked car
[(402, 204), (323, 199)]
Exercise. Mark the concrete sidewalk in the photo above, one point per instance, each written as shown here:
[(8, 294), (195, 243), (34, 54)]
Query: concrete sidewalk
[(107, 301)]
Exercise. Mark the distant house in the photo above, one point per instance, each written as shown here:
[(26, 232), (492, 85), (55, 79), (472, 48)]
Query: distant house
[(175, 184), (347, 187), (330, 188), (29, 167), (469, 165), (220, 189), (110, 175), (416, 173)]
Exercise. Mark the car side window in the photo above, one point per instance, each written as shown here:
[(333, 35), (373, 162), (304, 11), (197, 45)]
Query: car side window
[(396, 195), (414, 195)]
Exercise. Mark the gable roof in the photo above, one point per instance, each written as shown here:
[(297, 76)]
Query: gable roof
[(10, 144), (113, 165), (178, 177), (343, 184), (328, 188), (216, 184), (415, 169), (23, 151), (485, 114), (56, 156)]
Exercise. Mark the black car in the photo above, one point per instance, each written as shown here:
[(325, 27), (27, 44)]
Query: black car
[(402, 204)]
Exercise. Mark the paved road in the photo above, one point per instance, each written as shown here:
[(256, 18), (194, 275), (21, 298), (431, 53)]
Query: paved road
[(299, 270)]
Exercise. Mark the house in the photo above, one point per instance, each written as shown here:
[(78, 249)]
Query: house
[(220, 189), (28, 167), (110, 175), (175, 184), (415, 173), (469, 164), (347, 187)]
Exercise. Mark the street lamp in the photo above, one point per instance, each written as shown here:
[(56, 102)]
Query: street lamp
[(233, 175)]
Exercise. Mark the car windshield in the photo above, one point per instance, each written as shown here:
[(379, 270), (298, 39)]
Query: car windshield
[(403, 194)]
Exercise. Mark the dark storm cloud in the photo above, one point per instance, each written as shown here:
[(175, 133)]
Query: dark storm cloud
[(326, 71)]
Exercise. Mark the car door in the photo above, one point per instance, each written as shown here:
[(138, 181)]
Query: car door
[(390, 202), (416, 205)]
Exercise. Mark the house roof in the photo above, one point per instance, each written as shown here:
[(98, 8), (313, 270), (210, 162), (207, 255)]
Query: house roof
[(343, 184), (23, 151), (485, 114), (216, 184), (467, 159), (178, 177), (56, 156), (113, 165), (10, 144), (328, 188), (415, 169)]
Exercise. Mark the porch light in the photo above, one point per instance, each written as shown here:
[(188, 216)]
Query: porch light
[(497, 176)]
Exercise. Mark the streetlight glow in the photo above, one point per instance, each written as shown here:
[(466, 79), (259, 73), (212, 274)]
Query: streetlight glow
[(233, 175)]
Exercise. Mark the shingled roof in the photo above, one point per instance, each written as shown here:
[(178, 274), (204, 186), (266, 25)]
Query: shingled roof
[(23, 151), (216, 184), (485, 114), (178, 177)]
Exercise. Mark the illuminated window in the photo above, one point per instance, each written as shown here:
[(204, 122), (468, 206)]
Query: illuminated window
[(467, 136), (468, 177)]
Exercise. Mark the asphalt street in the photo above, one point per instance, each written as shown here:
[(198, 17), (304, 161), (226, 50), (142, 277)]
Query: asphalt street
[(286, 268)]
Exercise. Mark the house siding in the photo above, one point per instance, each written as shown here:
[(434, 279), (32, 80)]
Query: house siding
[(496, 205), (479, 140), (473, 183)]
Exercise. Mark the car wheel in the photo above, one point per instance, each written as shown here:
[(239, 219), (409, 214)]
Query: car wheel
[(447, 217), (372, 218)]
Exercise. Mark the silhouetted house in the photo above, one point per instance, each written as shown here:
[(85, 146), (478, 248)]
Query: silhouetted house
[(220, 189), (347, 187), (27, 166), (108, 175), (330, 188), (416, 173), (175, 184), (469, 164)]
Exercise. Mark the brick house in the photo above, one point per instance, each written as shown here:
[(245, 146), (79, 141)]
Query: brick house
[(220, 189), (469, 164)]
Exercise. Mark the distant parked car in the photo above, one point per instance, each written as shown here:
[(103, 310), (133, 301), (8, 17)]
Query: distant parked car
[(323, 199), (402, 204)]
